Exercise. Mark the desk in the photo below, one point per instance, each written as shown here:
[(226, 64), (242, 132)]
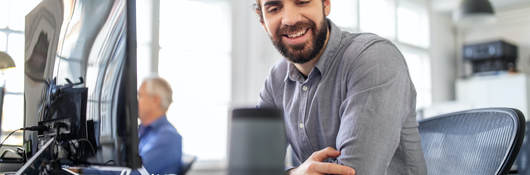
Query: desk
[(11, 161)]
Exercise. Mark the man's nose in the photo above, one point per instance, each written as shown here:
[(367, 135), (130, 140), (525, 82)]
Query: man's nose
[(291, 16)]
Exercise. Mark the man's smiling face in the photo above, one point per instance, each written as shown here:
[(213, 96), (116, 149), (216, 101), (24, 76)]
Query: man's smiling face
[(297, 28)]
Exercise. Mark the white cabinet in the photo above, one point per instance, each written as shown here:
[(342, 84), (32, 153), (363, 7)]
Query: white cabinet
[(505, 90)]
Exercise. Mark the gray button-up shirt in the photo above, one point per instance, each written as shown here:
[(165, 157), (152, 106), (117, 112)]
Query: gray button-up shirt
[(359, 99)]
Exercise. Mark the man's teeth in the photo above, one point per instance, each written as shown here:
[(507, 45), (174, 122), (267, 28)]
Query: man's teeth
[(297, 34)]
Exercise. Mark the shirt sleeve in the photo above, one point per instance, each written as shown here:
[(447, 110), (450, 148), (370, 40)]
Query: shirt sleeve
[(291, 161), (164, 156), (380, 96)]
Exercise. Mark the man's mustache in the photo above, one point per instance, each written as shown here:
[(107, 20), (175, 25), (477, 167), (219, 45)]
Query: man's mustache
[(288, 29)]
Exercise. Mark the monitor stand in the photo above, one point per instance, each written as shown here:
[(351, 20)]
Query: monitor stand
[(34, 164)]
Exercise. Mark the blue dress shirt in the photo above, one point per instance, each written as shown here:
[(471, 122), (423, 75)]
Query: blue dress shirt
[(160, 147)]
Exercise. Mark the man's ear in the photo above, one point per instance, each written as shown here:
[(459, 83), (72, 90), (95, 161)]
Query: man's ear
[(157, 100), (260, 16), (327, 7)]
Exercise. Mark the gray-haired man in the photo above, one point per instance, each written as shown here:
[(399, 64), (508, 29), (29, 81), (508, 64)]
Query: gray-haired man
[(160, 144)]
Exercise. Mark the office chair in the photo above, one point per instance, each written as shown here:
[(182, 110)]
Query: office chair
[(187, 162), (523, 158), (480, 141)]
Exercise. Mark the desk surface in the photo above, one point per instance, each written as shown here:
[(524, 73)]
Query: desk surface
[(11, 161)]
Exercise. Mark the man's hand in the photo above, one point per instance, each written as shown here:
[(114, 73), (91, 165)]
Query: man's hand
[(314, 165)]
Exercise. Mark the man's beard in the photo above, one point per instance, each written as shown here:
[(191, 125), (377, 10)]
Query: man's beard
[(304, 52)]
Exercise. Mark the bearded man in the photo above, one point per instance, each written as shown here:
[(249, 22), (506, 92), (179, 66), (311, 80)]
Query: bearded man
[(348, 100)]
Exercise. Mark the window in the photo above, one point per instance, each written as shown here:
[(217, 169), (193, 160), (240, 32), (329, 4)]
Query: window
[(413, 23), (404, 22), (195, 56), (343, 13), (378, 16), (419, 68), (144, 39), (12, 18), (413, 41), (3, 41)]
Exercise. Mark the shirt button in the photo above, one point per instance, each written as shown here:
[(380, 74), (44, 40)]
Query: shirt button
[(301, 125), (304, 88)]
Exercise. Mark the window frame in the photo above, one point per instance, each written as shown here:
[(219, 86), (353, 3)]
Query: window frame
[(18, 136)]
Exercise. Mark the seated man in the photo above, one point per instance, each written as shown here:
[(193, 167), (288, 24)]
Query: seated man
[(348, 101), (160, 144)]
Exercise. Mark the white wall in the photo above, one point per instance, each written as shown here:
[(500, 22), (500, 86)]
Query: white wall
[(147, 23), (443, 57), (252, 54)]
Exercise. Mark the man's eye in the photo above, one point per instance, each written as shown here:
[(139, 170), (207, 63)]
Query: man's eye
[(303, 2), (272, 10)]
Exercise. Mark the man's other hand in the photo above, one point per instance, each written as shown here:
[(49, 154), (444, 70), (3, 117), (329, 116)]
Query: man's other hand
[(314, 165)]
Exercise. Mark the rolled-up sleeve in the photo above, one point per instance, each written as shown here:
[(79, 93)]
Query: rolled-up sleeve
[(380, 96)]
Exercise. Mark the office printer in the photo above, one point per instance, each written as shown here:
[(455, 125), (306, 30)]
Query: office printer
[(491, 56)]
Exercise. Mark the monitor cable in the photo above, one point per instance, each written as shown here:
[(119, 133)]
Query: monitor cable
[(31, 128)]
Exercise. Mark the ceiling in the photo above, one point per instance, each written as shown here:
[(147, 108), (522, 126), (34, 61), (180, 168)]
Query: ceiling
[(448, 5)]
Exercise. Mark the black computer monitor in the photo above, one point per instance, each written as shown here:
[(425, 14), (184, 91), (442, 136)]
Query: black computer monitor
[(257, 142), (92, 41)]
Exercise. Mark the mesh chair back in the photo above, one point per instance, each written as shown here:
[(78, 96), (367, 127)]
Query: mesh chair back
[(481, 141), (523, 158)]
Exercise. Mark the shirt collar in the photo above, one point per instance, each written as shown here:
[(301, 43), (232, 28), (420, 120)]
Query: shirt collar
[(157, 123), (331, 50), (325, 59), (293, 74)]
